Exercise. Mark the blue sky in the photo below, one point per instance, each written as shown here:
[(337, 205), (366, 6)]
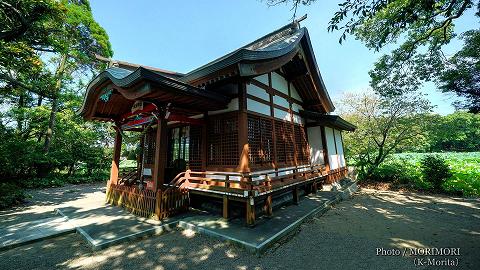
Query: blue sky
[(183, 35)]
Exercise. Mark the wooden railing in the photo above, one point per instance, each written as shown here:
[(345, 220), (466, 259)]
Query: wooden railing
[(337, 174), (128, 176), (236, 184), (171, 201), (136, 201), (148, 203)]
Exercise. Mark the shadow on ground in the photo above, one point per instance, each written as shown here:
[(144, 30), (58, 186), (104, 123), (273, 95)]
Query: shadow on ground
[(345, 237)]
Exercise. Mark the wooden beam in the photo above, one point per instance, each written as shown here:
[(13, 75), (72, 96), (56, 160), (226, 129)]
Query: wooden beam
[(160, 152), (117, 148)]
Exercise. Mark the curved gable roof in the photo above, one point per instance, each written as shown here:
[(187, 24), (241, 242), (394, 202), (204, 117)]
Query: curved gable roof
[(281, 45)]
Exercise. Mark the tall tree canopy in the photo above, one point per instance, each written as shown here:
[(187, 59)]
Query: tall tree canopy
[(384, 126), (420, 28), (47, 47)]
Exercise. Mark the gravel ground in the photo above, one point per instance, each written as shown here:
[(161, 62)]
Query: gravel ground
[(346, 237)]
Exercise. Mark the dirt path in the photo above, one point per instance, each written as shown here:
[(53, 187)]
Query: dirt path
[(346, 237)]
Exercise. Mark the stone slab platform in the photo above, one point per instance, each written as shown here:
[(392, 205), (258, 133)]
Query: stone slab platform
[(28, 232), (108, 225)]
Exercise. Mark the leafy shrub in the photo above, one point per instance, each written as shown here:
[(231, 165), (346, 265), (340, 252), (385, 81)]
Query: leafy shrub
[(42, 182), (398, 171), (435, 170), (10, 194)]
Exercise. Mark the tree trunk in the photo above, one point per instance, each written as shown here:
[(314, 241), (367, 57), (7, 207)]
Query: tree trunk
[(20, 116), (53, 111)]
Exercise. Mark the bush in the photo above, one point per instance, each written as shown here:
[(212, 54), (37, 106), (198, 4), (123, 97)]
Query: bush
[(435, 170), (10, 194), (397, 171), (42, 182)]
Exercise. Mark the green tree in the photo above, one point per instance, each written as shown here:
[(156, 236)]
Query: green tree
[(458, 131), (46, 49), (384, 125), (419, 29), (461, 74)]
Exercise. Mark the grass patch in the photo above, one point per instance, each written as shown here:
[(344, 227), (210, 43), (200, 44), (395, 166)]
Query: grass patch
[(405, 169)]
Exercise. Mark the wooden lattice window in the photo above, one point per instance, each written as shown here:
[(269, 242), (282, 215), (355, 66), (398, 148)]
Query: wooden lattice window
[(149, 147), (260, 140), (301, 144), (195, 162), (179, 142), (284, 141), (223, 140)]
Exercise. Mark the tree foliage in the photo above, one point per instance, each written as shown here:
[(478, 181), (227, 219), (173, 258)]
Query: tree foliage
[(383, 126), (419, 29), (461, 74), (47, 49)]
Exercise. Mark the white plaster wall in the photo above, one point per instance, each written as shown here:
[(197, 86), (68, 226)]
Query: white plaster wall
[(338, 141), (258, 107), (294, 93), (316, 147), (332, 153), (279, 83), (281, 114), (258, 92), (262, 78), (278, 100), (232, 106)]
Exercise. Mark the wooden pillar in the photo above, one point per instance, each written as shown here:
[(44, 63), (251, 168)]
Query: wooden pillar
[(204, 144), (140, 157), (325, 151), (244, 163), (267, 207), (160, 152), (225, 212), (250, 211), (296, 196), (117, 148)]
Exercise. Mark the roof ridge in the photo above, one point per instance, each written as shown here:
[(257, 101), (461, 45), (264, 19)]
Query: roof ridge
[(245, 47)]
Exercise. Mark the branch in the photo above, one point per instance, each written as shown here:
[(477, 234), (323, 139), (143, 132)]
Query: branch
[(12, 34), (16, 82), (444, 24)]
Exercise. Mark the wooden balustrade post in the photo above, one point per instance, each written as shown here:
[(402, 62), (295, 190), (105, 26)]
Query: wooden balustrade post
[(225, 198)]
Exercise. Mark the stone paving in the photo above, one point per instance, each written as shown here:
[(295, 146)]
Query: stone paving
[(27, 232)]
